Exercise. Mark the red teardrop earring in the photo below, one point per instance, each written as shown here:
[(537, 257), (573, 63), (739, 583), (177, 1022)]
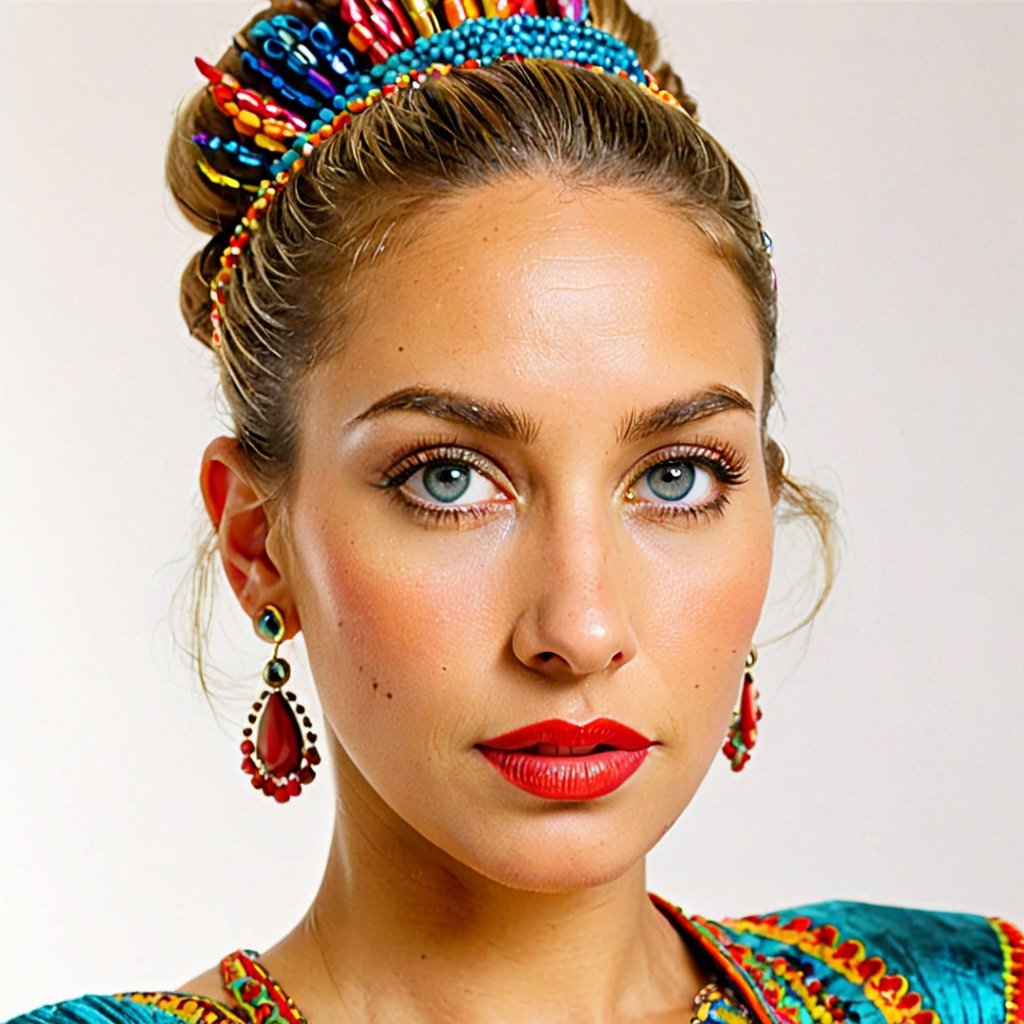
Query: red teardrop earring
[(742, 735), (279, 761)]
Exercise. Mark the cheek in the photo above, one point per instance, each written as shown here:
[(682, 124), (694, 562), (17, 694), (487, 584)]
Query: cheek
[(390, 628), (703, 607), (709, 596)]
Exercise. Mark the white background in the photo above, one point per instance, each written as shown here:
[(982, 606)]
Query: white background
[(886, 142)]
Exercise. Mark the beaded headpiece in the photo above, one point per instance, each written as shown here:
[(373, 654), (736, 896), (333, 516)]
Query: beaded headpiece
[(313, 85)]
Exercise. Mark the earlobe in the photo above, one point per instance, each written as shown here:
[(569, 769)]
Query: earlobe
[(238, 514)]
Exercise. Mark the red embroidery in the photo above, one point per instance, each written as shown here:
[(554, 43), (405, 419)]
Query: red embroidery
[(1011, 941), (890, 993)]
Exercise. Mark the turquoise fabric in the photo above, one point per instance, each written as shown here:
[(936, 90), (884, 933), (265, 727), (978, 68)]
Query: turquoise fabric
[(96, 1010), (953, 961)]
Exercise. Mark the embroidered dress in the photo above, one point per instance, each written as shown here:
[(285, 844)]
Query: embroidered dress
[(825, 963)]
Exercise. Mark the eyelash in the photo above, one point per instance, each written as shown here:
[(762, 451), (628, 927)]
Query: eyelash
[(724, 462), (721, 459), (427, 453)]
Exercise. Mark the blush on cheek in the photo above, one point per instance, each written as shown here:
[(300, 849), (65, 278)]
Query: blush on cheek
[(734, 606), (391, 626), (700, 626)]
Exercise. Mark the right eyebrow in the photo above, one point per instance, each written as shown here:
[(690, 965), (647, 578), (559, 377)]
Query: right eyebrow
[(493, 418)]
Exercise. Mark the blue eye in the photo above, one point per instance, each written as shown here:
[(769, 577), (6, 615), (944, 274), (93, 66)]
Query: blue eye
[(450, 482), (681, 482), (671, 481)]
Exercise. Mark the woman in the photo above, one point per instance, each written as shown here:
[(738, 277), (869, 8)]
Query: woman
[(510, 477)]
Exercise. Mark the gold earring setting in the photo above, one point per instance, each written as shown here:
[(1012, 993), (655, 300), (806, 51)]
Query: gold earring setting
[(280, 761), (742, 735)]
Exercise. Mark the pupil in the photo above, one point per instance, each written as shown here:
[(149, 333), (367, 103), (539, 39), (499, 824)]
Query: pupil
[(672, 480), (447, 482)]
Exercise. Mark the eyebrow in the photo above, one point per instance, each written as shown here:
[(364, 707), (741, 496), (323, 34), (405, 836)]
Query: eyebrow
[(680, 411), (493, 418), (498, 419)]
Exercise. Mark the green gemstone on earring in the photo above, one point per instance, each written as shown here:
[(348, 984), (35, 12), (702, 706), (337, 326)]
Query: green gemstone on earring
[(270, 625), (276, 672)]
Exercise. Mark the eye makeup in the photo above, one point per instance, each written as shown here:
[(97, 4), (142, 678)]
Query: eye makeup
[(721, 465), (426, 456), (661, 487)]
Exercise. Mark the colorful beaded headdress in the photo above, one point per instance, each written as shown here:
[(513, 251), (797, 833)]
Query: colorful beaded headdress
[(312, 85)]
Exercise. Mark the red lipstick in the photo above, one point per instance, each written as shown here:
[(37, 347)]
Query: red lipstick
[(561, 761)]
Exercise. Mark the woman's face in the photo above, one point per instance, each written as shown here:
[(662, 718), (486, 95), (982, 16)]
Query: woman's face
[(531, 488)]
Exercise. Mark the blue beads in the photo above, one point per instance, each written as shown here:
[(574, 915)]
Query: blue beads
[(240, 154), (483, 40), (284, 92)]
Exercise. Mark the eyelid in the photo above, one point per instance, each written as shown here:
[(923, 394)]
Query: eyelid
[(426, 453), (721, 458)]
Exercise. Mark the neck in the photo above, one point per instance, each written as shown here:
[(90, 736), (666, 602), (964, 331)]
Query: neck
[(399, 930)]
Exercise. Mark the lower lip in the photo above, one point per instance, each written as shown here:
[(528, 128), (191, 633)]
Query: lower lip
[(585, 777)]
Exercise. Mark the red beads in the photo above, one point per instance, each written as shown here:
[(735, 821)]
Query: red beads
[(279, 762)]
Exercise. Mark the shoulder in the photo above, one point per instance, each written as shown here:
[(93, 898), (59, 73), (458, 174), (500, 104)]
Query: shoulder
[(239, 977), (889, 963), (132, 1008)]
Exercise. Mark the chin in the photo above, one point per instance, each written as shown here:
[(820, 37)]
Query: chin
[(558, 874), (565, 850), (564, 875)]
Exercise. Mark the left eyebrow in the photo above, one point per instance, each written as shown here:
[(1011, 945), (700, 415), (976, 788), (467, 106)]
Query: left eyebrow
[(680, 411)]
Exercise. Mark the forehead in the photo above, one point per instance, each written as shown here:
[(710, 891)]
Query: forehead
[(527, 293)]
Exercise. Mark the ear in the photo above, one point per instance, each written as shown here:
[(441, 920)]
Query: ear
[(777, 464), (238, 514)]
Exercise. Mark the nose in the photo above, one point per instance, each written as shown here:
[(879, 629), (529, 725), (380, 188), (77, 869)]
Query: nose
[(576, 621)]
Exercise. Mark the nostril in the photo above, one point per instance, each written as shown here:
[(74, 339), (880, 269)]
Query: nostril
[(545, 656)]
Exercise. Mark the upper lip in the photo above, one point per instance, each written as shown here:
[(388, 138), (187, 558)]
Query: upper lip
[(602, 731)]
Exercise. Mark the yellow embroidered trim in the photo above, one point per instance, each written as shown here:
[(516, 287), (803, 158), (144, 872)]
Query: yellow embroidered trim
[(797, 983), (191, 1009), (1011, 942), (889, 993)]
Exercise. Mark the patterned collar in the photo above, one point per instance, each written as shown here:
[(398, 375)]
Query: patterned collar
[(724, 953), (261, 1000)]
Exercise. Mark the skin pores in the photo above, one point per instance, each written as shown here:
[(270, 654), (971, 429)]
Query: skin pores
[(569, 580)]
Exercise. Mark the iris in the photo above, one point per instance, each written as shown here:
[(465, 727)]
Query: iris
[(447, 482), (671, 481)]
